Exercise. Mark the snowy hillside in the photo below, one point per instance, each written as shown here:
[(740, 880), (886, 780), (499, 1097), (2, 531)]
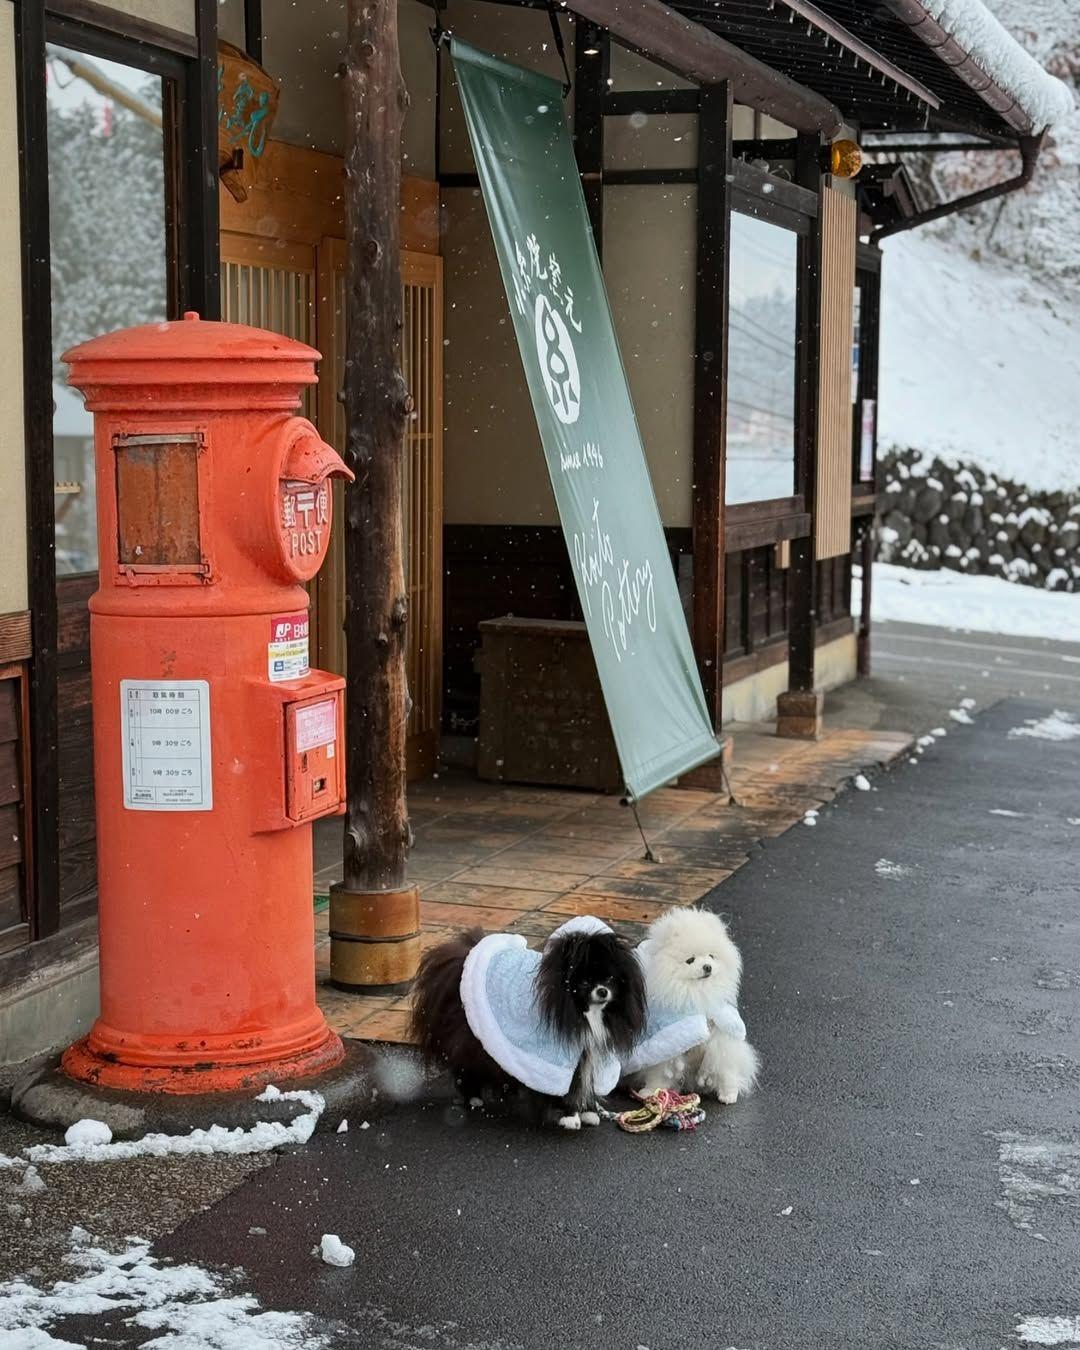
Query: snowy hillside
[(979, 362), (980, 352)]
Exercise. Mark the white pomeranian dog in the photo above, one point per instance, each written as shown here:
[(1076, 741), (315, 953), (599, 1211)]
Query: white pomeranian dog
[(693, 967)]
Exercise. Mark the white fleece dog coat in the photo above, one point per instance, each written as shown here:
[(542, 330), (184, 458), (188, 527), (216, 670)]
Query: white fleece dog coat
[(498, 993), (672, 1031)]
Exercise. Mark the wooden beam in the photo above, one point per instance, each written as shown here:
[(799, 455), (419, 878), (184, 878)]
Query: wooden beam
[(374, 919), (654, 102), (591, 63), (109, 20), (826, 24), (253, 29), (44, 872), (692, 51), (710, 386)]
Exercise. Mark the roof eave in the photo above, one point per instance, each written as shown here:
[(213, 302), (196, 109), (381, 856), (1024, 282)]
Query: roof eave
[(914, 14)]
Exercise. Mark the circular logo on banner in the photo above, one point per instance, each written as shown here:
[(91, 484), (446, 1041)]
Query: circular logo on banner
[(558, 362)]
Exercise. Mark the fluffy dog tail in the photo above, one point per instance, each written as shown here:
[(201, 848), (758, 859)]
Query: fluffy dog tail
[(437, 1023)]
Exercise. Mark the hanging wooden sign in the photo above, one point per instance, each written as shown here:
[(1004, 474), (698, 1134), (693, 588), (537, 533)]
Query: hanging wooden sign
[(247, 105)]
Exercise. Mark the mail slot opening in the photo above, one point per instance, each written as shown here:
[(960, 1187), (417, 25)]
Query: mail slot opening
[(157, 502)]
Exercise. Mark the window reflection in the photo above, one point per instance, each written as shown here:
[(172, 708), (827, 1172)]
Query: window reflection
[(761, 361), (108, 245)]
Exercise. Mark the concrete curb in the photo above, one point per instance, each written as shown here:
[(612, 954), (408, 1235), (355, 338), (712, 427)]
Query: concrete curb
[(371, 1081)]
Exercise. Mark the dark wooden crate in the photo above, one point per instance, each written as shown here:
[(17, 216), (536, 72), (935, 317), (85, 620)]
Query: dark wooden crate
[(542, 715)]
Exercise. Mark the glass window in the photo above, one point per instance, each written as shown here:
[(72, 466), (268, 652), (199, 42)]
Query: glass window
[(109, 255), (761, 361)]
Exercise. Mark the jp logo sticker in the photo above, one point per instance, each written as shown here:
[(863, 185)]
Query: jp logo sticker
[(558, 362)]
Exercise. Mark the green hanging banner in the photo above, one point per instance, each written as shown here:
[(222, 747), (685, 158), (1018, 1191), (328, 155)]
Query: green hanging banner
[(555, 290)]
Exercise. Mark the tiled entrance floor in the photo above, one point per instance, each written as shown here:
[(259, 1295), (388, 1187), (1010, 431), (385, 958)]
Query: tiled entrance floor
[(521, 860)]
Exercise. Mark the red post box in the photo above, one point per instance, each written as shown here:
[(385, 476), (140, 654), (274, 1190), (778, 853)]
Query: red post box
[(215, 745)]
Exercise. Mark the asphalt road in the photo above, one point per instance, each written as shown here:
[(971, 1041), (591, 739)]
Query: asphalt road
[(905, 1179), (989, 665)]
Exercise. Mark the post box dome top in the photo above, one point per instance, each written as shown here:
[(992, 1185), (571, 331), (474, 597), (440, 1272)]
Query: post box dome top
[(191, 339)]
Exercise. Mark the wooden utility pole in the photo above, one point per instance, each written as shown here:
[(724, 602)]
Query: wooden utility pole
[(375, 915)]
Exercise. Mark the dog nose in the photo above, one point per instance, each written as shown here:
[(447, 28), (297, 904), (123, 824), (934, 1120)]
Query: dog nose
[(706, 969), (602, 991)]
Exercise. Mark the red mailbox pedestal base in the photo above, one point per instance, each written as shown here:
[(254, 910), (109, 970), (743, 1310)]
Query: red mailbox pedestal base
[(210, 1064)]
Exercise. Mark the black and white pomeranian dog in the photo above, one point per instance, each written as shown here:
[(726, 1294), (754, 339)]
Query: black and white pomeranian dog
[(554, 1023)]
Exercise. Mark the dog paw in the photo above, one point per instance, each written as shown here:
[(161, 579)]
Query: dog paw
[(729, 1096), (590, 1117), (570, 1122)]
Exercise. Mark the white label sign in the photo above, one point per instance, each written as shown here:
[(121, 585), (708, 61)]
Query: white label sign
[(316, 725), (165, 727)]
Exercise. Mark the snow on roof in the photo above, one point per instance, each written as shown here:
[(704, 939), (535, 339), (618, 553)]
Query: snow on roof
[(1046, 99)]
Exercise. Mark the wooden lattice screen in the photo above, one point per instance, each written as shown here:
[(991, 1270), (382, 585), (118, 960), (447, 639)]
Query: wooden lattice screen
[(833, 496), (270, 284)]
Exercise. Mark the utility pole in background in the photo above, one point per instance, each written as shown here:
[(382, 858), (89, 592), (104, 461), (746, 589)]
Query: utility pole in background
[(374, 914)]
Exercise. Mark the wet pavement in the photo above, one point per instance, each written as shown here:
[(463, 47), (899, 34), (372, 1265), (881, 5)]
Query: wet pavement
[(907, 1176)]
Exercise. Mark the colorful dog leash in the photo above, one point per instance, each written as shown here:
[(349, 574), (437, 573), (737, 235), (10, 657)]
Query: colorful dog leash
[(666, 1108)]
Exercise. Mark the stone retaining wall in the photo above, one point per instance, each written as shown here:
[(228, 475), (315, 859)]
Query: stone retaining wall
[(956, 515)]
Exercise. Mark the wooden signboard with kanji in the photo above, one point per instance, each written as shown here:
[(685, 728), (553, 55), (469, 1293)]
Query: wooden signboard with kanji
[(247, 105)]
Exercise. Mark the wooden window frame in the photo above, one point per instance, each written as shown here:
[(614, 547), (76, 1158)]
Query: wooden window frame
[(190, 121), (763, 196), (868, 280)]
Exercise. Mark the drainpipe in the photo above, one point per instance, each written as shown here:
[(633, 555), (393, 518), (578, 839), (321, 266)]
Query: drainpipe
[(1029, 154)]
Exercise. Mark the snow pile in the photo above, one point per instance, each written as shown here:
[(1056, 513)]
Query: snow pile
[(1059, 726), (1046, 100), (977, 604), (335, 1252), (191, 1306), (88, 1132)]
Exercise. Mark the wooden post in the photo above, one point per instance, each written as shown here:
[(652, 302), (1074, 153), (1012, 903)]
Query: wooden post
[(710, 409), (43, 879), (590, 90), (374, 914), (710, 386), (799, 710)]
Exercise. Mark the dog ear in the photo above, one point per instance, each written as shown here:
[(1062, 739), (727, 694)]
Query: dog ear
[(627, 1015)]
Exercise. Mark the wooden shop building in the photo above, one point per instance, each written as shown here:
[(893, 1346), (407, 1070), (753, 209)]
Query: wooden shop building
[(743, 270)]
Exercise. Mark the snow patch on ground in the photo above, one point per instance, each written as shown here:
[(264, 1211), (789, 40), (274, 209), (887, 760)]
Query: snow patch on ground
[(263, 1136), (1034, 1172), (1064, 1331), (893, 870), (192, 1307), (976, 604), (1059, 726)]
